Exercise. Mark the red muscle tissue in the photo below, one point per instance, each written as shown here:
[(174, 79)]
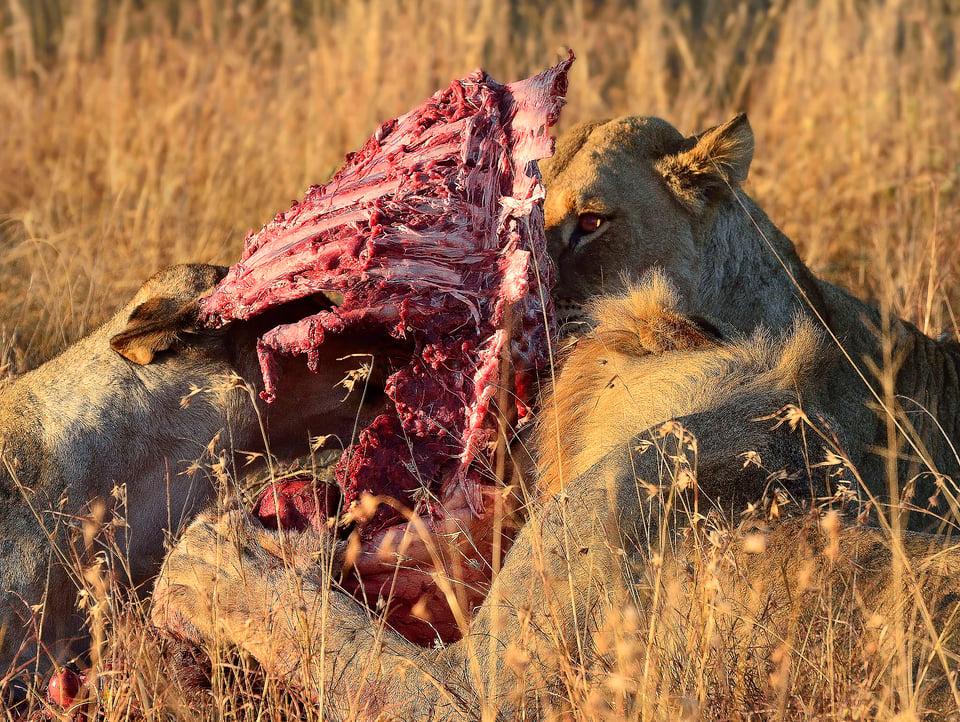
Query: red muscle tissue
[(432, 233)]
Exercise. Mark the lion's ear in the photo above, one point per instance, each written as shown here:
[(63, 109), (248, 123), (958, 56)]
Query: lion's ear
[(154, 326), (169, 311), (717, 163)]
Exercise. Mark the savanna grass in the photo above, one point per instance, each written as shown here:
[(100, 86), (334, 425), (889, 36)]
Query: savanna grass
[(138, 134)]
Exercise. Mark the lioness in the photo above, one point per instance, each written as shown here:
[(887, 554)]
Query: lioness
[(631, 194), (136, 413), (604, 543)]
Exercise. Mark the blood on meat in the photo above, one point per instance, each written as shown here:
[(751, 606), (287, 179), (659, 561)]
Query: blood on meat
[(432, 234)]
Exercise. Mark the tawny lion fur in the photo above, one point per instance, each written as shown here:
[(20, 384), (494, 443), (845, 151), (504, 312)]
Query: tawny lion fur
[(607, 554), (138, 410), (631, 194), (609, 390)]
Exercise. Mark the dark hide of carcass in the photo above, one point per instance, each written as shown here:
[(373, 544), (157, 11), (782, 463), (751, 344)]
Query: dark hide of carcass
[(431, 235)]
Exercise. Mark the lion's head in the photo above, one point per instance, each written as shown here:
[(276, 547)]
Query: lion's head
[(628, 194)]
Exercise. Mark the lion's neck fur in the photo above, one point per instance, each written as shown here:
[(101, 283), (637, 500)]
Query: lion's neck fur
[(88, 420), (746, 251)]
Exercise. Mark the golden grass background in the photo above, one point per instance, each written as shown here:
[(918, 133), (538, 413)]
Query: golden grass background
[(138, 134)]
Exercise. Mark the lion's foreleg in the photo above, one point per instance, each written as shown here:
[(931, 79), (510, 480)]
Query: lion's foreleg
[(230, 581), (574, 558)]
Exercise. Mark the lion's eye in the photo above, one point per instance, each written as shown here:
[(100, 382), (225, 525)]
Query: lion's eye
[(589, 222)]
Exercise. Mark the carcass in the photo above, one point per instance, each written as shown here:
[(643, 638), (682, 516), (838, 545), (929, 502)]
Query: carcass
[(431, 234)]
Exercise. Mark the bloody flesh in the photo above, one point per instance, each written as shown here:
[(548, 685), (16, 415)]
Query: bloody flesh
[(430, 233)]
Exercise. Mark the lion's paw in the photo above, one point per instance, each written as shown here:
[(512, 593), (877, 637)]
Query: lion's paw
[(200, 573), (227, 571)]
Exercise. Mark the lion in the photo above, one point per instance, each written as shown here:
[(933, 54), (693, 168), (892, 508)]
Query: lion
[(619, 544), (120, 434), (631, 194)]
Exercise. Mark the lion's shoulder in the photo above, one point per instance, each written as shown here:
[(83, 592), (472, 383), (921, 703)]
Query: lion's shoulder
[(645, 362)]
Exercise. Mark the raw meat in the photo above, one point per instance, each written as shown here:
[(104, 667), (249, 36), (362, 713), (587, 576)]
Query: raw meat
[(432, 233)]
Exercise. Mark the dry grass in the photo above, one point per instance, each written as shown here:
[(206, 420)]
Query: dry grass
[(138, 134), (161, 144)]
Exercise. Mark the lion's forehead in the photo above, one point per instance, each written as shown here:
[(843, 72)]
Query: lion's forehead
[(641, 137), (598, 181)]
